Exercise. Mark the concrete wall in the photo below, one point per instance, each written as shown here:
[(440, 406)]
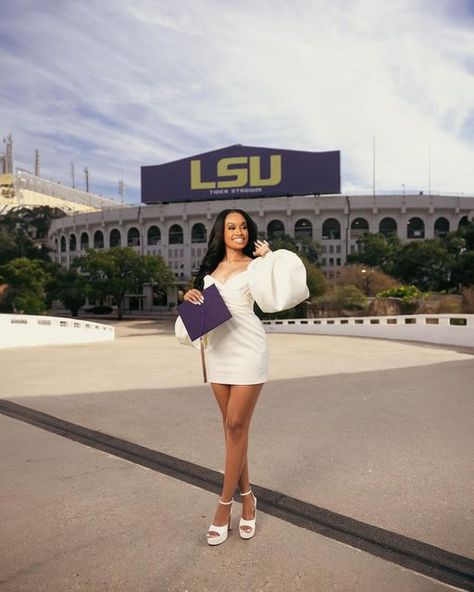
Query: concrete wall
[(185, 257), (454, 329), (29, 330)]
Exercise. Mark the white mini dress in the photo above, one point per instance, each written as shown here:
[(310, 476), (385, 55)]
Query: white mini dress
[(236, 352)]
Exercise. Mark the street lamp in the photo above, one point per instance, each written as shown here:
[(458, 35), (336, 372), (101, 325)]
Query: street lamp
[(365, 275)]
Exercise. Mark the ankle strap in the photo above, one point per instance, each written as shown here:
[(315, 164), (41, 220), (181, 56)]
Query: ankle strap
[(249, 491), (226, 503)]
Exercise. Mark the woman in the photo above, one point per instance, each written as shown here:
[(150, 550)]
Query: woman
[(244, 270)]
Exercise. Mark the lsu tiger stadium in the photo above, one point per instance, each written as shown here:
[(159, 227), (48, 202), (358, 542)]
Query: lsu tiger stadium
[(287, 192)]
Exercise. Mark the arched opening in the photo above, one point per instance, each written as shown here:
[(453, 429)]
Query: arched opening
[(198, 233), (463, 222), (275, 229), (84, 241), (153, 235), (63, 244), (98, 240), (115, 238), (331, 229), (72, 242), (388, 226), (359, 227), (175, 235), (416, 228), (303, 229), (133, 237), (441, 227)]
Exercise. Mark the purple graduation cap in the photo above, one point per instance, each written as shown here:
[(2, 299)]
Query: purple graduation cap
[(199, 319)]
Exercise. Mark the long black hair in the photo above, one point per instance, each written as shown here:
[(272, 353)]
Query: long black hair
[(216, 248)]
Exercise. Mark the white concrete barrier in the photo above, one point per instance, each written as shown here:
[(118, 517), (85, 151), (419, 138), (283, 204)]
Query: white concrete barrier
[(28, 330), (449, 329)]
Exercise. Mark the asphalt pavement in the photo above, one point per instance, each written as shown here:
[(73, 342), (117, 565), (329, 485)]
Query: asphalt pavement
[(375, 434)]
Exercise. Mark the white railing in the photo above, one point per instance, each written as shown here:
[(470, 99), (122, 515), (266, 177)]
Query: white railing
[(449, 329), (29, 330)]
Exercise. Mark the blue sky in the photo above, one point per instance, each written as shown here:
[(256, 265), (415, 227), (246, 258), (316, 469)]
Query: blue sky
[(113, 85)]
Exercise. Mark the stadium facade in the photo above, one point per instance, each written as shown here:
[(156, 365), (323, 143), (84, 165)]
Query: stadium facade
[(285, 191), (178, 232)]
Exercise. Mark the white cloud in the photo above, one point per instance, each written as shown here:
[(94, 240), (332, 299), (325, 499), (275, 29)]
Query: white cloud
[(107, 84)]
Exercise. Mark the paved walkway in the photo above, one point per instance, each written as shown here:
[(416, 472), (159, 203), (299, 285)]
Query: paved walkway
[(374, 430)]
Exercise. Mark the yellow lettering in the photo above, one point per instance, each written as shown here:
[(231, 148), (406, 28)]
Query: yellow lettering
[(237, 175), (275, 171), (240, 176), (196, 182)]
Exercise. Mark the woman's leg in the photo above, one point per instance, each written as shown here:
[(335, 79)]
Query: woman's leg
[(240, 406), (222, 394)]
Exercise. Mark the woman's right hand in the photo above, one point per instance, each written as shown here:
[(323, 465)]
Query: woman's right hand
[(194, 296)]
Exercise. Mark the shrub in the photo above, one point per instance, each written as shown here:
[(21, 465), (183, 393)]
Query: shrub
[(369, 280), (468, 299), (340, 298), (406, 293), (439, 304)]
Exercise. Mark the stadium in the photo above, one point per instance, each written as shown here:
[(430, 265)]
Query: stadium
[(285, 192), (22, 189)]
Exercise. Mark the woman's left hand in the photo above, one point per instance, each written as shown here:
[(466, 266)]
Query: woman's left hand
[(261, 248)]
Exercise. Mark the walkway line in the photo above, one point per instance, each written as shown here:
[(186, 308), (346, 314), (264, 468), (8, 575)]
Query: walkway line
[(412, 554)]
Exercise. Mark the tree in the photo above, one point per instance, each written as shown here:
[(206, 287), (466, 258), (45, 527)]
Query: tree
[(305, 246), (20, 228), (14, 242), (27, 280), (467, 233), (426, 264), (120, 271), (38, 220), (67, 286), (375, 250), (315, 278), (463, 269)]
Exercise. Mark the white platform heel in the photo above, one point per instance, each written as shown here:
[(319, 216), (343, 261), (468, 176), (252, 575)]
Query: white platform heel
[(222, 531), (248, 533)]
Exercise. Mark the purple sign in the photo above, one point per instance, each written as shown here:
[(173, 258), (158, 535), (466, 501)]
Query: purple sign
[(242, 171)]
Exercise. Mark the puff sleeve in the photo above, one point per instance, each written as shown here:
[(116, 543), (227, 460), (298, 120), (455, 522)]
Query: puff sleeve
[(182, 335), (277, 281)]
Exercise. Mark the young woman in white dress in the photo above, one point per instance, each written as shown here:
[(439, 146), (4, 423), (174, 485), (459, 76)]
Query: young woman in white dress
[(245, 270)]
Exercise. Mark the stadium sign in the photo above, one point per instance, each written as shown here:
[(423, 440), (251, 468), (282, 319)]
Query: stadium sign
[(242, 171)]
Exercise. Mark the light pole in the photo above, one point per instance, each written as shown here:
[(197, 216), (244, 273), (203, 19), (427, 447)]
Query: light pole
[(365, 275)]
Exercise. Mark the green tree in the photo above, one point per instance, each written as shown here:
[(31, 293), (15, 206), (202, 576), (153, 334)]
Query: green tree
[(305, 246), (19, 229), (467, 233), (375, 250), (27, 280), (315, 278), (68, 286), (120, 271), (426, 264), (463, 269), (14, 242), (39, 219)]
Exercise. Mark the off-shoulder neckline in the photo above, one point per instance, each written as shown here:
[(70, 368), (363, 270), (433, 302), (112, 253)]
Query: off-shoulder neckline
[(230, 279), (237, 275)]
